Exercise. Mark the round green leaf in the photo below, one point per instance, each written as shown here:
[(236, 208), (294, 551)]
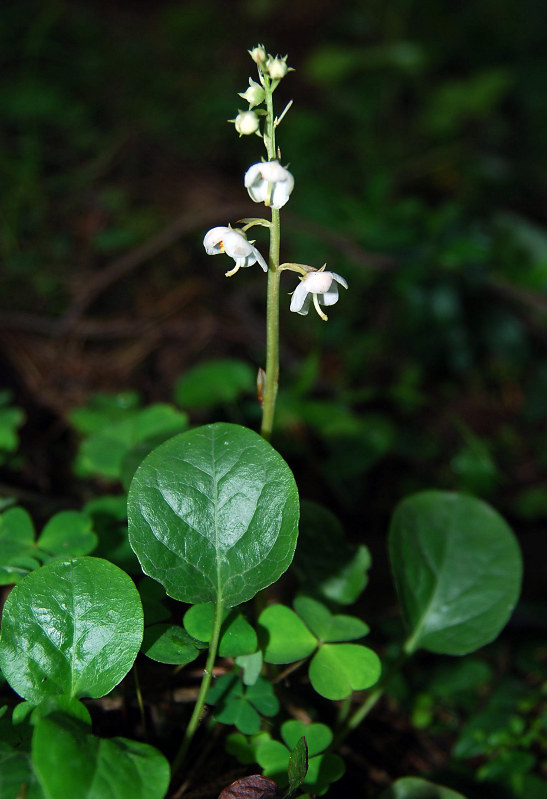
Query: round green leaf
[(72, 763), (338, 669), (457, 569), (169, 643), (284, 637), (71, 627), (213, 515)]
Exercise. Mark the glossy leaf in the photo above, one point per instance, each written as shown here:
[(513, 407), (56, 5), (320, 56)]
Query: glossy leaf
[(338, 669), (457, 568), (416, 788), (71, 627), (169, 643), (72, 763), (284, 636), (213, 515)]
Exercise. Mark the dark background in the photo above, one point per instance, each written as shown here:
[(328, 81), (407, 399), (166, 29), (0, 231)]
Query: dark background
[(417, 142)]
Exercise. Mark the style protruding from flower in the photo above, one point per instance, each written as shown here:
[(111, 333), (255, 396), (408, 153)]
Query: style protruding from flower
[(270, 183), (246, 123), (320, 286), (234, 243)]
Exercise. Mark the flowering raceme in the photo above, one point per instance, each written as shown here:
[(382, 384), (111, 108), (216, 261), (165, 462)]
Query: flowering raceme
[(234, 243), (270, 183), (319, 285)]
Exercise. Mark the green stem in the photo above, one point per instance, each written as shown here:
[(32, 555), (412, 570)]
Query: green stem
[(139, 699), (272, 331), (204, 687), (370, 702), (272, 308)]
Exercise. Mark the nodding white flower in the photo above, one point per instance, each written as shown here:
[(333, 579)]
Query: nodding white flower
[(246, 123), (319, 285), (269, 183), (234, 243)]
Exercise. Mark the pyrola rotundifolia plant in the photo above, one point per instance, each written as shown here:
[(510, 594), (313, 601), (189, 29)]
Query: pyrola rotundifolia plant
[(213, 518)]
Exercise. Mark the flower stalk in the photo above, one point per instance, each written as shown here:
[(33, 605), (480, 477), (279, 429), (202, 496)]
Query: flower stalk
[(272, 303)]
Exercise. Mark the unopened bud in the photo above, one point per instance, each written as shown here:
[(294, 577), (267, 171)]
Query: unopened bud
[(277, 68), (254, 94), (258, 54), (246, 122)]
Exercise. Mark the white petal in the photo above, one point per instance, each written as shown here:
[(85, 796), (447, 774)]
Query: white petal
[(236, 245), (273, 172), (252, 174), (305, 308), (258, 192), (329, 297), (340, 279), (299, 296), (260, 259), (318, 282), (280, 195), (213, 238)]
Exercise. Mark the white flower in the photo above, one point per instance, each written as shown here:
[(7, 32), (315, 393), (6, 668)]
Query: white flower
[(277, 68), (254, 95), (258, 54), (322, 287), (246, 122), (234, 243), (269, 183)]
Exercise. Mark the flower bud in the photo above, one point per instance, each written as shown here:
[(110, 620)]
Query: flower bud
[(254, 95), (258, 54), (277, 68), (246, 122)]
